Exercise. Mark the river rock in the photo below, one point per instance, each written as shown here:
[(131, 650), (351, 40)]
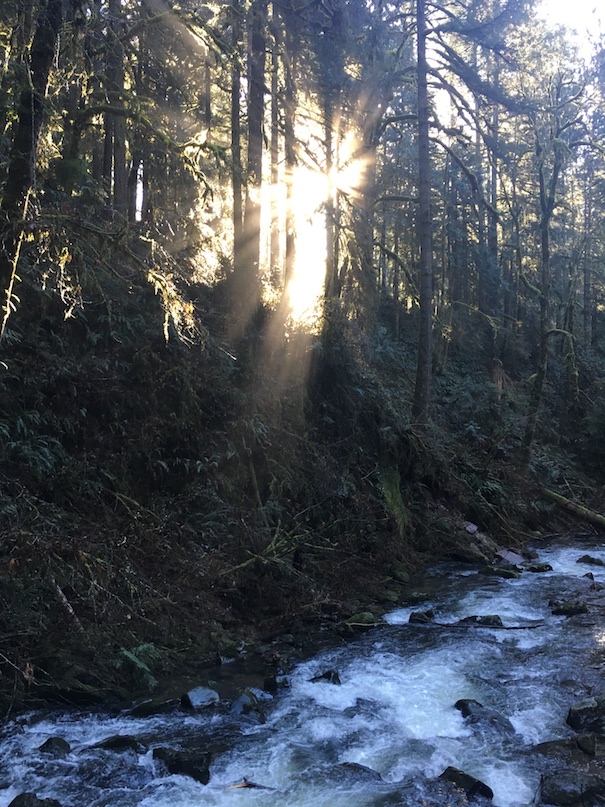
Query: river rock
[(475, 712), (361, 772), (510, 557), (588, 715), (121, 742), (471, 786), (55, 745), (151, 706), (537, 568), (31, 800), (331, 676), (487, 621), (421, 617), (273, 683), (588, 559), (250, 703), (501, 571), (568, 607), (187, 763), (571, 788), (199, 698)]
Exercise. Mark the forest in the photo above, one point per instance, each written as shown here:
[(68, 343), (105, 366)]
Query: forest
[(296, 296)]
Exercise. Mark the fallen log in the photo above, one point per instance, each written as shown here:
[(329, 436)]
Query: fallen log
[(577, 509)]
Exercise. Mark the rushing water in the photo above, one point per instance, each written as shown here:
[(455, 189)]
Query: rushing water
[(393, 712)]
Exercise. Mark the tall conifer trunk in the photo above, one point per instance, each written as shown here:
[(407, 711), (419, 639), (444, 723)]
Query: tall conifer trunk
[(22, 162), (422, 389)]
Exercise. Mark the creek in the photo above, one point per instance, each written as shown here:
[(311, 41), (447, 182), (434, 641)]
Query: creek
[(393, 710)]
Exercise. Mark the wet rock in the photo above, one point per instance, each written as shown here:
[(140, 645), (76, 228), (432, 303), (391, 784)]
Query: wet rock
[(186, 763), (331, 676), (588, 715), (501, 571), (487, 621), (363, 618), (249, 703), (151, 706), (55, 745), (568, 607), (537, 568), (121, 742), (361, 772), (422, 617), (510, 557), (571, 788), (471, 786), (591, 561), (31, 800), (587, 743), (199, 698), (475, 712), (273, 683)]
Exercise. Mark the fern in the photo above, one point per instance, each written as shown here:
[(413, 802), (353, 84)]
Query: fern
[(136, 662)]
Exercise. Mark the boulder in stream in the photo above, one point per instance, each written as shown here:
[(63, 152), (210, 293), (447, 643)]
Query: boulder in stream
[(588, 715), (31, 800), (572, 789), (55, 745), (331, 676), (568, 607), (199, 698), (475, 712), (121, 742), (471, 786), (421, 617), (537, 567), (187, 763), (591, 561)]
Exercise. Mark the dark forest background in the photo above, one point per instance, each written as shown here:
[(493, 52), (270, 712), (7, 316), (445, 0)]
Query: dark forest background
[(292, 292)]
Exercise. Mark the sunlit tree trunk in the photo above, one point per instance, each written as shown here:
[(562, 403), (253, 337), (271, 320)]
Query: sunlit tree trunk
[(22, 161), (236, 149), (422, 388), (250, 268)]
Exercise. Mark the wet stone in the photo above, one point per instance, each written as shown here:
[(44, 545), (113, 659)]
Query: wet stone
[(331, 676), (471, 786), (199, 698), (186, 763), (568, 607), (422, 617), (591, 561), (55, 745), (31, 800)]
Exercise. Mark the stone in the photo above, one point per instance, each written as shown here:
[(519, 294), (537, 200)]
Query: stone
[(362, 618), (510, 557), (570, 788), (568, 607), (588, 559), (422, 617), (476, 712), (331, 676), (55, 745), (588, 715), (537, 568), (501, 571), (587, 743), (31, 800), (471, 786), (361, 771), (121, 742), (199, 698), (186, 763)]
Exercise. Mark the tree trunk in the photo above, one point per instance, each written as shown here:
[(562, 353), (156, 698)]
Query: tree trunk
[(250, 270), (22, 162), (236, 149), (422, 389)]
